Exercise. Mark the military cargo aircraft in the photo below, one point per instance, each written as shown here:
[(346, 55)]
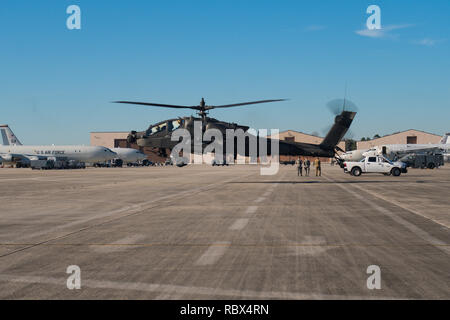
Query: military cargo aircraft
[(129, 155), (12, 152)]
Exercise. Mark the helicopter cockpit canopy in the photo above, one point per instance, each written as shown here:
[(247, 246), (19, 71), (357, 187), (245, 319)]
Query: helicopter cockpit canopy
[(166, 126)]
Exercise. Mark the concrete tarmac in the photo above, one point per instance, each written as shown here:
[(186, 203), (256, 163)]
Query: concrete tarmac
[(203, 232)]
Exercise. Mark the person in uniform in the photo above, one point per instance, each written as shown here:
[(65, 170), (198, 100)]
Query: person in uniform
[(299, 164), (317, 165), (307, 165)]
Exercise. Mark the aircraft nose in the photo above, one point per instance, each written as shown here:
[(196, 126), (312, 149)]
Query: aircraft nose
[(109, 153)]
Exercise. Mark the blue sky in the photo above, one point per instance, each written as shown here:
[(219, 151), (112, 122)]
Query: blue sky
[(56, 84)]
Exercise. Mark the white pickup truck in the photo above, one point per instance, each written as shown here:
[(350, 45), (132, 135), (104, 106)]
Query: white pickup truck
[(375, 164)]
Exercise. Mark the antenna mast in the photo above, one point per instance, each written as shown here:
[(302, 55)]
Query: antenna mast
[(345, 96)]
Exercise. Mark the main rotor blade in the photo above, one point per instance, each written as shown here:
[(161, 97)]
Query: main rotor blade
[(158, 105), (244, 103)]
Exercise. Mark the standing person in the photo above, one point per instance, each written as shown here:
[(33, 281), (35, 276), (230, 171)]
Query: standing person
[(318, 164), (299, 164), (307, 164)]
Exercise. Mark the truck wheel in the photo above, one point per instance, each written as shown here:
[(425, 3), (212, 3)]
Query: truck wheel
[(356, 171), (396, 172), (431, 166)]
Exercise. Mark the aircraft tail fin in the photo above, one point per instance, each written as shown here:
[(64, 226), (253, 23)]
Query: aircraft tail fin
[(7, 137), (341, 125), (445, 139)]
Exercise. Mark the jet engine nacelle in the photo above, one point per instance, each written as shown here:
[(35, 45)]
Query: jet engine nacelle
[(6, 157)]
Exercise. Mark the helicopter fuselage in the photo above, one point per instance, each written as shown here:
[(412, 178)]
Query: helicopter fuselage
[(159, 136)]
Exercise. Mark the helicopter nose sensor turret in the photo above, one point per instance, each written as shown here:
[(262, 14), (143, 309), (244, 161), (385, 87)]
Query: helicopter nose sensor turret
[(132, 137)]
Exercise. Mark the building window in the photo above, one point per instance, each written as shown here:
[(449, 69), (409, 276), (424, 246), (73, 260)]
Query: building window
[(411, 140)]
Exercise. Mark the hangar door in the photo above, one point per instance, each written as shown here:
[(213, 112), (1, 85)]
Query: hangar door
[(121, 143), (411, 140)]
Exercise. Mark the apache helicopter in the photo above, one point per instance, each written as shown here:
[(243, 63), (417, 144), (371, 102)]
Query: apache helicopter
[(159, 135)]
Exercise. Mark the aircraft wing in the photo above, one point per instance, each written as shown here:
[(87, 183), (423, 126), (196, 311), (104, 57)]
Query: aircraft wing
[(19, 156), (414, 149), (34, 157)]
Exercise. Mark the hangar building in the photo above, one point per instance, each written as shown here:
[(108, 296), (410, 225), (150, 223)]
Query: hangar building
[(404, 137), (109, 139)]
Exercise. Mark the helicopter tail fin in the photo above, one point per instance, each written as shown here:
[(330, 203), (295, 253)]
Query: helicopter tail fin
[(341, 125)]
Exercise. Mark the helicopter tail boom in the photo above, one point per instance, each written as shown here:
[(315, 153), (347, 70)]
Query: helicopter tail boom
[(340, 127)]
